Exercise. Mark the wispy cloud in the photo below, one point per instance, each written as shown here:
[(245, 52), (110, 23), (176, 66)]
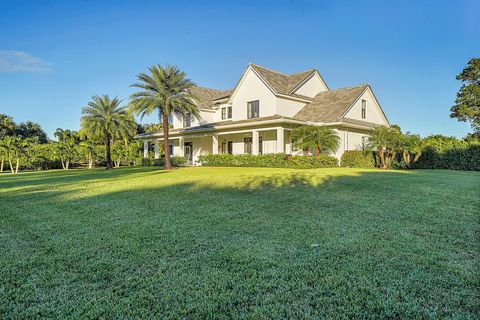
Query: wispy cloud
[(18, 61)]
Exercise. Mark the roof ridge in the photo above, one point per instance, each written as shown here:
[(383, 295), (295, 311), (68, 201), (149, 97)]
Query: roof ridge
[(256, 65)]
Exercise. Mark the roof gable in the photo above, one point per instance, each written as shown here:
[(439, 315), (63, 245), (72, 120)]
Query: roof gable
[(330, 106)]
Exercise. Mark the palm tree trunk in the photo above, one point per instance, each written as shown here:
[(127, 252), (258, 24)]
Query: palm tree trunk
[(381, 154), (90, 160), (67, 163), (417, 156), (16, 167), (108, 152), (11, 165), (166, 149), (1, 164)]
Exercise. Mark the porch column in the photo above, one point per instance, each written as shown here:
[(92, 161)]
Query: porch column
[(254, 142), (157, 149), (181, 150), (280, 140), (145, 149), (215, 144)]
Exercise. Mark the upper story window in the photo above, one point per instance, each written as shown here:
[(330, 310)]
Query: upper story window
[(187, 120), (253, 109), (364, 109), (227, 112)]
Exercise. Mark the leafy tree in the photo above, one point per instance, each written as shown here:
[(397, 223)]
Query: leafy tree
[(119, 151), (32, 130), (467, 103), (104, 118), (319, 139), (7, 126), (166, 91)]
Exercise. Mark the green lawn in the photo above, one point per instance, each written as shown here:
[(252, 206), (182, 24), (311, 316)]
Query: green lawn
[(240, 243)]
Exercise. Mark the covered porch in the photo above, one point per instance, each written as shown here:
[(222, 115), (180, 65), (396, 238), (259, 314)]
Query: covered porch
[(248, 141)]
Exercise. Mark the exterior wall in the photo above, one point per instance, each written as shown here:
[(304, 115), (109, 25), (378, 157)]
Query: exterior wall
[(374, 113), (312, 87), (252, 88), (206, 117), (288, 108), (349, 140)]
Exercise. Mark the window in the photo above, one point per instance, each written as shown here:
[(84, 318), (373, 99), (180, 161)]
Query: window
[(170, 149), (253, 109), (224, 147), (364, 109), (224, 113), (187, 120), (247, 145), (260, 145), (229, 112), (230, 147)]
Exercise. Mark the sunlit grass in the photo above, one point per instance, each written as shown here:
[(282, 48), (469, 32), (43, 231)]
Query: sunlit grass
[(239, 242)]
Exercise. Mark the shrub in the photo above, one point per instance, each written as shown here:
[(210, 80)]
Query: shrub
[(455, 158), (176, 161), (357, 159), (274, 160)]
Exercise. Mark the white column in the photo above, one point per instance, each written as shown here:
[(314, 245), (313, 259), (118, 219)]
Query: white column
[(280, 140), (145, 149), (215, 144), (181, 148), (157, 149), (254, 142)]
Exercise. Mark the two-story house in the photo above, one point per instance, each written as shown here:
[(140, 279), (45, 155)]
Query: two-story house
[(258, 115)]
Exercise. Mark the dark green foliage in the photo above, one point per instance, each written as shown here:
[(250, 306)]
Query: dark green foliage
[(358, 159), (32, 130), (160, 162), (467, 104), (274, 160), (454, 158)]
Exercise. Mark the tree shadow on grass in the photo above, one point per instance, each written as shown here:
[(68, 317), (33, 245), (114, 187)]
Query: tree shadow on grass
[(290, 244)]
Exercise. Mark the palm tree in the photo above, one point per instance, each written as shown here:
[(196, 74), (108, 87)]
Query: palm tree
[(104, 118), (65, 149), (379, 140), (319, 139), (412, 144), (165, 90)]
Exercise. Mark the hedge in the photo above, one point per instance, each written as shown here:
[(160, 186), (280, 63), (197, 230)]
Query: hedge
[(357, 159), (467, 158), (274, 160), (175, 161)]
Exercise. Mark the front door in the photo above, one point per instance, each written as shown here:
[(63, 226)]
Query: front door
[(188, 152)]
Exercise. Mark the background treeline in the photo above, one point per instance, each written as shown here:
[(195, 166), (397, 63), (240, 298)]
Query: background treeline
[(26, 146)]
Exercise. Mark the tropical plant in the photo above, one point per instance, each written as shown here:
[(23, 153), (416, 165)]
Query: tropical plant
[(14, 148), (318, 139), (378, 141), (7, 126), (119, 152), (66, 148), (166, 91), (106, 119), (411, 146), (32, 130)]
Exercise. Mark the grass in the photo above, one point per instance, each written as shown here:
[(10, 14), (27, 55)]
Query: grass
[(223, 243)]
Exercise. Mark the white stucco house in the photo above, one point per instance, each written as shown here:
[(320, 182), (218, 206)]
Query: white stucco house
[(258, 115)]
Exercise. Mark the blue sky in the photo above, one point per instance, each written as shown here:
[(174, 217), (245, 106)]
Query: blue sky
[(55, 54)]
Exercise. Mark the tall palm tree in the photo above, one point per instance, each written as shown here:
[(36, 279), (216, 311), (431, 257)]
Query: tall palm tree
[(166, 91), (319, 139), (106, 119)]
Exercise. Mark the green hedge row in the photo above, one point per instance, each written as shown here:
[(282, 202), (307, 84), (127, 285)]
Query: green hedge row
[(357, 159), (273, 160), (176, 161), (467, 158)]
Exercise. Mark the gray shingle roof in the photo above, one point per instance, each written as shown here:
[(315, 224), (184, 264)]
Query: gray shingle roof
[(206, 96), (329, 106), (281, 83)]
